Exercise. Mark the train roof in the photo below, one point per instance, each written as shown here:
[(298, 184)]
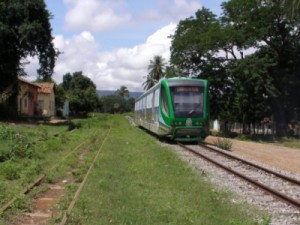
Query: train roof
[(173, 79)]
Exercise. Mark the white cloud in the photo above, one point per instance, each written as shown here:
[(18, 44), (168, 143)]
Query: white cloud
[(128, 66), (94, 15), (109, 70), (175, 11)]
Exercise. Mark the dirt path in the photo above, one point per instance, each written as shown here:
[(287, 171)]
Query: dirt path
[(277, 156), (44, 206)]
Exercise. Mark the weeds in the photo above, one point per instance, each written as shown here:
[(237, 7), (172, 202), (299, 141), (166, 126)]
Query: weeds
[(5, 132), (11, 171), (223, 143)]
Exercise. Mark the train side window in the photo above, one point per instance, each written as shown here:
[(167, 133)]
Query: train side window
[(164, 101)]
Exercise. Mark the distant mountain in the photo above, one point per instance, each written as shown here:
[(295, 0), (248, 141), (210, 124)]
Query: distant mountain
[(109, 92)]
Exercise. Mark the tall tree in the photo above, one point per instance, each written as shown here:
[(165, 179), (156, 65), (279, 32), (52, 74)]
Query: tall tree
[(81, 92), (123, 92), (195, 45), (218, 49), (156, 70), (24, 31), (265, 26)]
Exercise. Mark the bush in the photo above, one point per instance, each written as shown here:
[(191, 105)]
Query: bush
[(21, 147), (5, 132), (72, 125), (4, 155), (11, 171), (223, 143)]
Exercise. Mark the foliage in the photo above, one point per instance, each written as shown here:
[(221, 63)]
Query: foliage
[(60, 96), (193, 51), (51, 148), (81, 92), (11, 171), (24, 31), (73, 125), (292, 7), (116, 104), (223, 143), (156, 70), (5, 132), (123, 92), (250, 56)]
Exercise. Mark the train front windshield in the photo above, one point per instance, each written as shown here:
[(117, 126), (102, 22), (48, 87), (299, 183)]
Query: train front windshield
[(187, 101)]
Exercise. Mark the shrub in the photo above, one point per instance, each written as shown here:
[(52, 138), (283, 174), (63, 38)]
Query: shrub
[(72, 125), (21, 147), (223, 143), (5, 132), (11, 171)]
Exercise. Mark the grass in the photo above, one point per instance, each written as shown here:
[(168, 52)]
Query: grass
[(137, 181), (30, 151), (289, 142)]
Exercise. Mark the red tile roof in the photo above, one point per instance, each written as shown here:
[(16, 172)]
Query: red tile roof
[(27, 82), (45, 88)]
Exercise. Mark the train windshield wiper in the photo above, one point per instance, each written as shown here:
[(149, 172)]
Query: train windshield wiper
[(191, 112)]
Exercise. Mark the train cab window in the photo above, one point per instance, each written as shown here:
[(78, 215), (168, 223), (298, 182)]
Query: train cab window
[(164, 101), (187, 101)]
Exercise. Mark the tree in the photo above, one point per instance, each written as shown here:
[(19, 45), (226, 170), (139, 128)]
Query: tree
[(193, 51), (60, 96), (265, 26), (123, 92), (116, 104), (24, 31), (156, 70), (81, 92), (292, 6), (244, 87), (150, 82), (172, 71)]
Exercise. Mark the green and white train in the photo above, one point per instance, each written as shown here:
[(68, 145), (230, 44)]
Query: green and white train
[(176, 108)]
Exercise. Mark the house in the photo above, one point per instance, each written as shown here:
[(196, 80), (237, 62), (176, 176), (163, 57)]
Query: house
[(46, 99), (34, 99), (27, 98)]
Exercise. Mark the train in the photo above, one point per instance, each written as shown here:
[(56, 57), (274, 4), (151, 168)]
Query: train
[(175, 108)]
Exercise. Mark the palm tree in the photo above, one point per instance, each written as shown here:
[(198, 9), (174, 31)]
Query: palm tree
[(156, 70), (123, 92), (148, 83)]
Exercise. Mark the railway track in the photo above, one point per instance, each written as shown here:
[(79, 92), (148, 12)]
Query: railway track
[(283, 188)]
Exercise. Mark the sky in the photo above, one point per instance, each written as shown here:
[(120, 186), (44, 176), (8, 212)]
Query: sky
[(113, 41)]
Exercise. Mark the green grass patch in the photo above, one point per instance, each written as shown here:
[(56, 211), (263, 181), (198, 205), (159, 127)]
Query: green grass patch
[(28, 151), (137, 181)]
